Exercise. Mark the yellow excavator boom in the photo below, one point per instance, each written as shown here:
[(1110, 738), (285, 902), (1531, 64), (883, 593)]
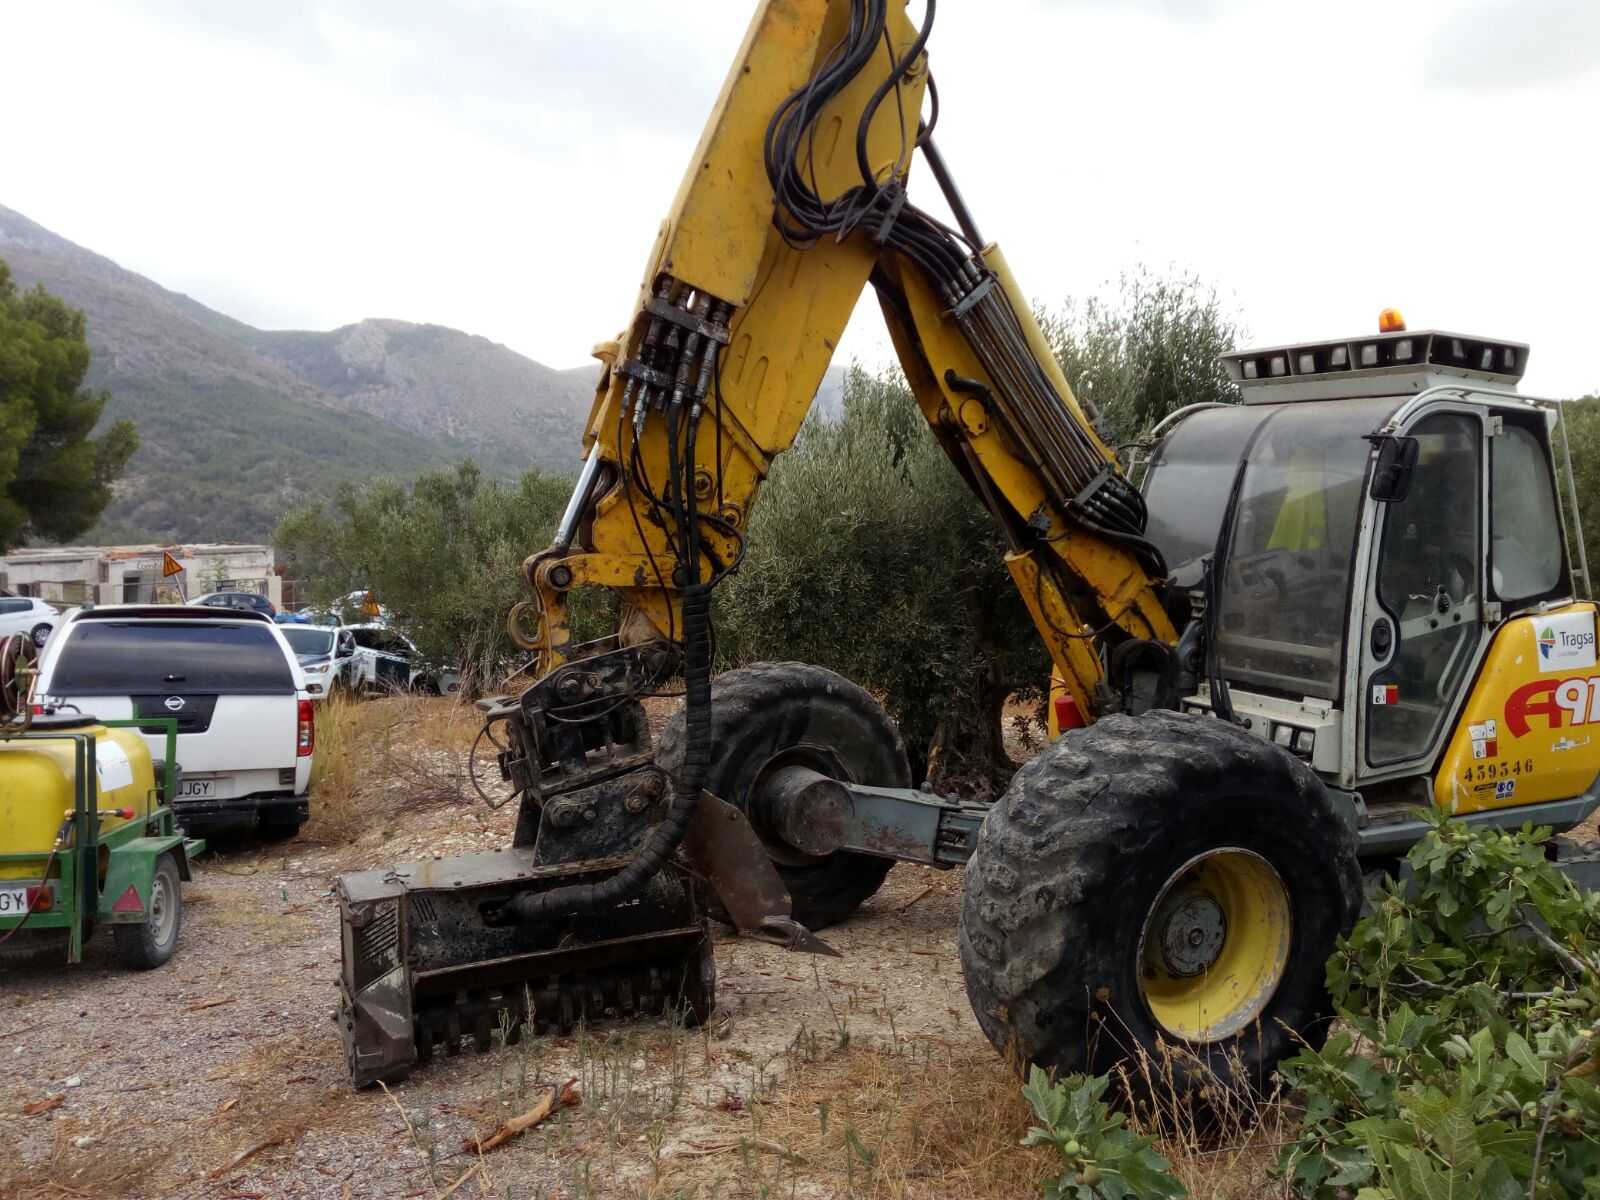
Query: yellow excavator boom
[(758, 304)]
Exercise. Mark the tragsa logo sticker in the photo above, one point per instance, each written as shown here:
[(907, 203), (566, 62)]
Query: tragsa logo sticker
[(1566, 641)]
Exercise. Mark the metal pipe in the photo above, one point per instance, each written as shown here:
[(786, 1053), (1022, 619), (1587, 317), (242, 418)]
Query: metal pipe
[(807, 809), (568, 529), (1577, 517), (952, 195)]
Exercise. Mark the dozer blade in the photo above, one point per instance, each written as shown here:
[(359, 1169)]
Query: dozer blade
[(428, 964)]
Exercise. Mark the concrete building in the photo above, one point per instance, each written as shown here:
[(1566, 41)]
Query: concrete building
[(133, 574)]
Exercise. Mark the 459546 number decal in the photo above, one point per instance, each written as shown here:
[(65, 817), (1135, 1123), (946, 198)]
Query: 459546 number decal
[(1503, 768)]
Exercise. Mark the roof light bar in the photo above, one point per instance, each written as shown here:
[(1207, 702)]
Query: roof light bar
[(1401, 349)]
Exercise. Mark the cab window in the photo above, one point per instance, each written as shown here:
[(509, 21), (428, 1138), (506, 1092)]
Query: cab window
[(1284, 589), (1525, 548), (1427, 585)]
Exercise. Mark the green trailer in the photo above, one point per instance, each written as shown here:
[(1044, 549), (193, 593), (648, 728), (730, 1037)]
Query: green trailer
[(88, 837)]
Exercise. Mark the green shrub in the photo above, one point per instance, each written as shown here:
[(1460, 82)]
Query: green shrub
[(1101, 1159), (1467, 1064)]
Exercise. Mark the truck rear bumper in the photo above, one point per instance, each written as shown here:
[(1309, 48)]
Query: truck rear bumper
[(197, 815)]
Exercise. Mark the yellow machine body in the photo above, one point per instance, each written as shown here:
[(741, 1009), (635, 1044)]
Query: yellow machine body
[(1530, 730), (37, 781)]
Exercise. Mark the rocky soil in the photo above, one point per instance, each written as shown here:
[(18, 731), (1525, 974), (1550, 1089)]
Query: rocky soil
[(221, 1074)]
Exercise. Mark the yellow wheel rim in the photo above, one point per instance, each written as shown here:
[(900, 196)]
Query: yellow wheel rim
[(1215, 945)]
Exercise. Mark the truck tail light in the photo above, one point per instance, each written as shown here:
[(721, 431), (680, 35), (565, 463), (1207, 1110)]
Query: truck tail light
[(41, 898), (307, 741)]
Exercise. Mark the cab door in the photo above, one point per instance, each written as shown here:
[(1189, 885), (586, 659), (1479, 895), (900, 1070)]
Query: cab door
[(1424, 600)]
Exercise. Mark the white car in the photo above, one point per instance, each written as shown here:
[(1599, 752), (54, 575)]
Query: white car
[(326, 656), (29, 615), (385, 660), (246, 727)]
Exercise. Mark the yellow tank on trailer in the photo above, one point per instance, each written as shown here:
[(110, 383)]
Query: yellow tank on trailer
[(87, 835), (36, 789)]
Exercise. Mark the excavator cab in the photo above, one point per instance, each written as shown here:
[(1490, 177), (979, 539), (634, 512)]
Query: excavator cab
[(1388, 563)]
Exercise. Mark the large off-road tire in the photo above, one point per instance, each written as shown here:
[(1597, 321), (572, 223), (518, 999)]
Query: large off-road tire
[(147, 946), (1158, 880), (775, 714)]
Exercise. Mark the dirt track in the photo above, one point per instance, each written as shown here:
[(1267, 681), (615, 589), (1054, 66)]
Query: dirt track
[(168, 1077), (221, 1075)]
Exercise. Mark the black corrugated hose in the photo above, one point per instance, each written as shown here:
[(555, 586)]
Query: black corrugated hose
[(666, 837)]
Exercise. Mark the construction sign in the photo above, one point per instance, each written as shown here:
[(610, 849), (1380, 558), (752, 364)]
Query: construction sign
[(169, 565)]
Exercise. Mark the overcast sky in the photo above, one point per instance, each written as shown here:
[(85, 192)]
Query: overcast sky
[(501, 166)]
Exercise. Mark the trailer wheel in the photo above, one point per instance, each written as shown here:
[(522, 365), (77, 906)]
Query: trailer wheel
[(778, 714), (1166, 886), (145, 947)]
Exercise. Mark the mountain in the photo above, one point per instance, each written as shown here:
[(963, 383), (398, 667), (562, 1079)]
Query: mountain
[(239, 424), (447, 386)]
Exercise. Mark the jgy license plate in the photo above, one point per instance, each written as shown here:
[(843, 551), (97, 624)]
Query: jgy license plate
[(197, 789), (13, 902)]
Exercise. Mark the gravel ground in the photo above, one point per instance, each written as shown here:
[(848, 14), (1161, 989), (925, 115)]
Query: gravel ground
[(167, 1078), (221, 1075)]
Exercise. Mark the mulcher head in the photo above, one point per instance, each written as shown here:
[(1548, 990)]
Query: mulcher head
[(427, 961), (590, 914)]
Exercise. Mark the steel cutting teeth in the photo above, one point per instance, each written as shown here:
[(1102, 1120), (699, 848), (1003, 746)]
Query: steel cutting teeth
[(557, 1007)]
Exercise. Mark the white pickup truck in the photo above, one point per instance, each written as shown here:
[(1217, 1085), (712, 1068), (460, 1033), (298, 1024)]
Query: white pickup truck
[(246, 728)]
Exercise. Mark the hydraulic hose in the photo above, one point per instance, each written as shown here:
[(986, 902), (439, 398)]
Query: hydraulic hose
[(668, 835)]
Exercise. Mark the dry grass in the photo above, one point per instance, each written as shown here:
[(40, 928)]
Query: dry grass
[(114, 1169), (913, 1119), (879, 1122), (375, 756), (102, 1154), (1223, 1149), (264, 924)]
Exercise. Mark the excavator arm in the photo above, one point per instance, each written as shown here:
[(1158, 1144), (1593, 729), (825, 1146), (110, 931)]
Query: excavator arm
[(743, 301), (794, 203)]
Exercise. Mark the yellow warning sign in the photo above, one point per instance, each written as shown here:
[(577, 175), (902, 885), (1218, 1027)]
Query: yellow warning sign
[(169, 565)]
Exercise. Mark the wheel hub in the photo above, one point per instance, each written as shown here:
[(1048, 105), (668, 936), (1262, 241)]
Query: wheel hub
[(806, 808), (1215, 946), (162, 912), (1192, 928)]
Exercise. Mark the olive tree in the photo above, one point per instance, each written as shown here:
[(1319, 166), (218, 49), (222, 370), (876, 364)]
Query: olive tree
[(442, 555), (868, 554), (1146, 350), (1582, 421)]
